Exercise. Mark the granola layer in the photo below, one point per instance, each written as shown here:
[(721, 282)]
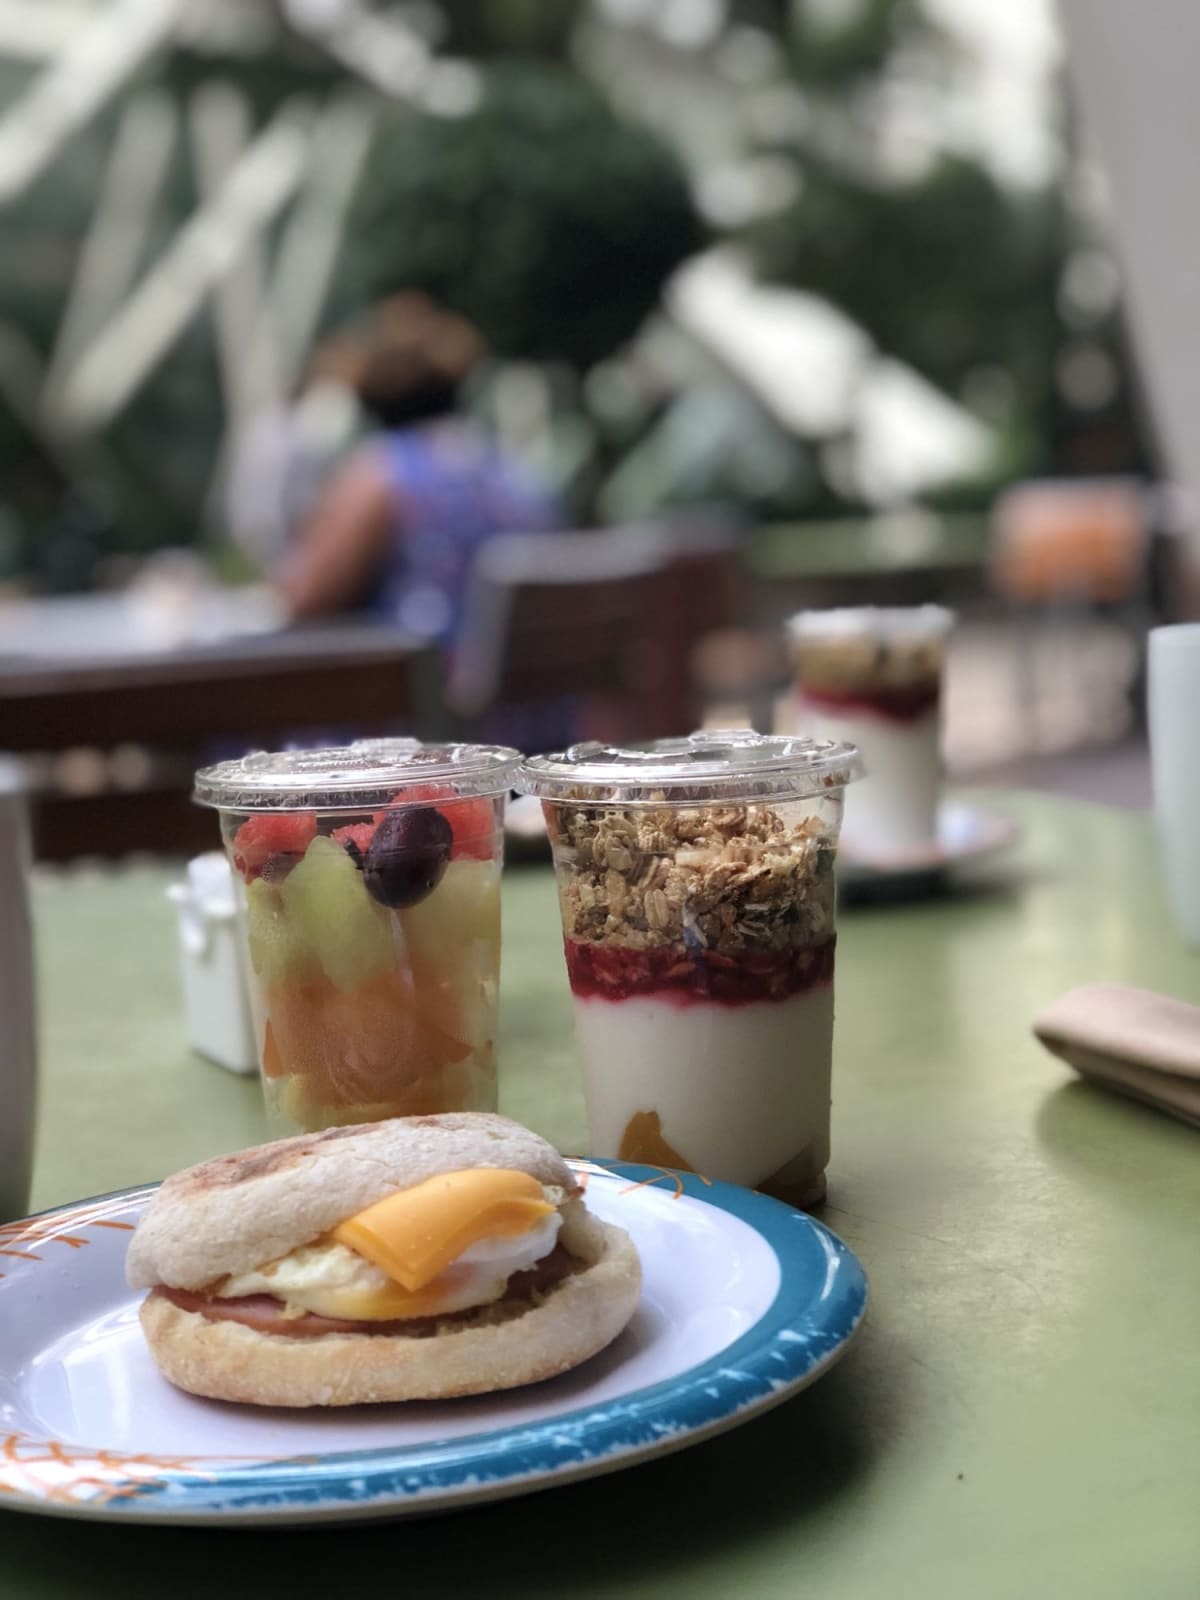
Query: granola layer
[(729, 880), (863, 665)]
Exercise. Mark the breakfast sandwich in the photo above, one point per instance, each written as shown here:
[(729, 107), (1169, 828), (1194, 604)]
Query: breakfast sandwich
[(414, 1259)]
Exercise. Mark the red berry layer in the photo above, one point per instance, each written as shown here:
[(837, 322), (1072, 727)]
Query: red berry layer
[(900, 704), (611, 972)]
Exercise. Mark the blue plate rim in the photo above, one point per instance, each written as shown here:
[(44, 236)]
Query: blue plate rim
[(783, 1352)]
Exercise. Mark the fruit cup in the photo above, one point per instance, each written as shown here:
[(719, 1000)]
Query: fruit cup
[(368, 884), (695, 880)]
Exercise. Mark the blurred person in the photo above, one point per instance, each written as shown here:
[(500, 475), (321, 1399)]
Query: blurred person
[(281, 460), (395, 530)]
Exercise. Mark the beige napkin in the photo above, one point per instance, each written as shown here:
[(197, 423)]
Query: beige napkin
[(1141, 1044)]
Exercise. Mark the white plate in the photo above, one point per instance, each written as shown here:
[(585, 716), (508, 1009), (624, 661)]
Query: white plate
[(746, 1301), (964, 833)]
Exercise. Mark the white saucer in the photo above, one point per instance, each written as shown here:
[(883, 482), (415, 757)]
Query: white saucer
[(965, 833)]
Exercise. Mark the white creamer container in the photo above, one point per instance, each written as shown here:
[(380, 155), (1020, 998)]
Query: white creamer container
[(216, 1005)]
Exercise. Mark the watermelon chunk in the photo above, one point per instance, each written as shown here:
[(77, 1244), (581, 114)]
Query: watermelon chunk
[(271, 833)]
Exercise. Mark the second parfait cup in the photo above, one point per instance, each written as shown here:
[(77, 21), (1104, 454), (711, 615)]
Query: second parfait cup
[(696, 886), (368, 883), (873, 675)]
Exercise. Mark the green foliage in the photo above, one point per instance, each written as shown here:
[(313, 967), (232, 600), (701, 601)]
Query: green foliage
[(947, 273), (541, 216), (484, 28), (290, 68), (834, 50), (553, 223), (951, 271)]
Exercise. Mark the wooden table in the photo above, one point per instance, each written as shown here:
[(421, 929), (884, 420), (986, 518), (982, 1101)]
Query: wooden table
[(79, 674), (1019, 1415)]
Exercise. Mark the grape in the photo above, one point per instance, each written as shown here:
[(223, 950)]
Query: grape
[(408, 855)]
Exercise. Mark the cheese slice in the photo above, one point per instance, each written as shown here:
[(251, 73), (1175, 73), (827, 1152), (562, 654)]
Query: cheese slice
[(414, 1235)]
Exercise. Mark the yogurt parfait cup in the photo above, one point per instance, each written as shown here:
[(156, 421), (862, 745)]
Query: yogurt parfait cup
[(872, 676), (368, 889), (695, 880)]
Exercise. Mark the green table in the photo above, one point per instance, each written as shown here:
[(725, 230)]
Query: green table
[(1020, 1415)]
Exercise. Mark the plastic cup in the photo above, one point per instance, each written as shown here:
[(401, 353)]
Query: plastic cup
[(18, 1033), (872, 676), (368, 888), (696, 885), (1174, 689)]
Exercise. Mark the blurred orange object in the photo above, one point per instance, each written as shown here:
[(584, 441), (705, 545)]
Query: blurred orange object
[(1082, 540)]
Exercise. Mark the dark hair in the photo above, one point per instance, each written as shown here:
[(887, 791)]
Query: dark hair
[(397, 400), (415, 359)]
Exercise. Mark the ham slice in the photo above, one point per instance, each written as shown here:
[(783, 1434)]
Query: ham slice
[(264, 1314)]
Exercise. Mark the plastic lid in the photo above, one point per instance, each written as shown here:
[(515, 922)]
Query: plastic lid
[(357, 777), (720, 765), (877, 622)]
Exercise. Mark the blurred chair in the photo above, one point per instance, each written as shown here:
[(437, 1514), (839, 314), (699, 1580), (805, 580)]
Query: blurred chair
[(551, 615), (1073, 543), (612, 616), (746, 670), (700, 595), (1067, 550)]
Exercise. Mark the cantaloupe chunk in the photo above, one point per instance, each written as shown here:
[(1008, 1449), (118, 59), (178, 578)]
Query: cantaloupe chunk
[(359, 1046)]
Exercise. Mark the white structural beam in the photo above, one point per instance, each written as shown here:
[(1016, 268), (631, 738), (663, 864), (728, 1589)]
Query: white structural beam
[(382, 49), (117, 231), (1133, 69), (220, 126), (204, 250), (32, 30), (313, 233), (92, 66)]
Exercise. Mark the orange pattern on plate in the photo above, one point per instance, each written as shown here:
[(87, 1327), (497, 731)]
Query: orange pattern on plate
[(65, 1474), (59, 1228)]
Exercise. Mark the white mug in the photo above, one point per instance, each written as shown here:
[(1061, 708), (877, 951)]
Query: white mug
[(18, 1046), (1174, 714)]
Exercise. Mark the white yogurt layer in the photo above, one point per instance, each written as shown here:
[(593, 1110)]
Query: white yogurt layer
[(893, 808), (740, 1090)]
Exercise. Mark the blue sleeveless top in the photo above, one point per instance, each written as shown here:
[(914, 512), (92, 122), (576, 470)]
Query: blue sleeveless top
[(453, 488)]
